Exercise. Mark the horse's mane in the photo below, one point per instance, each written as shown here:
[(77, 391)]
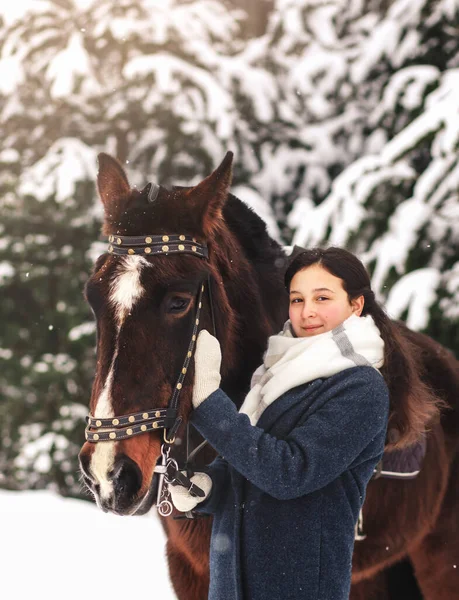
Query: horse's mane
[(251, 231)]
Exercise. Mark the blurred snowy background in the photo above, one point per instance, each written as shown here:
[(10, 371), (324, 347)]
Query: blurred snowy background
[(46, 544), (344, 119)]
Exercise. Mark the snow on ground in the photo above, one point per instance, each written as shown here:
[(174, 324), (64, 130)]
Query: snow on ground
[(57, 548)]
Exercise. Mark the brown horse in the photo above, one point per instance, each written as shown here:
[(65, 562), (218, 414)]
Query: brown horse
[(145, 299)]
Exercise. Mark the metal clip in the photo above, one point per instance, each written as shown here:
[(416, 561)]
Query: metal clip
[(164, 505)]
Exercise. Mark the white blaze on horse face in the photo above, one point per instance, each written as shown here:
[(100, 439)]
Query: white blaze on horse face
[(126, 288), (103, 457), (125, 291)]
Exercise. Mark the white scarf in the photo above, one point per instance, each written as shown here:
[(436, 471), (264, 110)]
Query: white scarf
[(291, 361)]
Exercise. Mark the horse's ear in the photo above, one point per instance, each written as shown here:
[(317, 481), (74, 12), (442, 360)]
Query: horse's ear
[(208, 197), (112, 183)]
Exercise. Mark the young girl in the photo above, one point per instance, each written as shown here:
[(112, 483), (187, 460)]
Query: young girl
[(286, 491)]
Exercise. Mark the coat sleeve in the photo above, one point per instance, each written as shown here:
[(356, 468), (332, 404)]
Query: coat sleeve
[(328, 443), (218, 471)]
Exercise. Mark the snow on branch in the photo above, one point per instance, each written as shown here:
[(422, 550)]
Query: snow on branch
[(66, 162), (414, 293)]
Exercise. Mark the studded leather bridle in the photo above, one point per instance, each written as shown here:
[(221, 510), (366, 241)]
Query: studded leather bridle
[(126, 426)]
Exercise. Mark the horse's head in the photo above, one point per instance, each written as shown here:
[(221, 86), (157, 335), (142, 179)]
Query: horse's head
[(144, 294)]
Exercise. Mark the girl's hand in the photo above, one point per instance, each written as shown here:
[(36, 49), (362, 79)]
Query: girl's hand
[(207, 361), (181, 497)]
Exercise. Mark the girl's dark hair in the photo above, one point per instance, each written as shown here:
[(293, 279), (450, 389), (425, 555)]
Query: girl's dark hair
[(413, 404)]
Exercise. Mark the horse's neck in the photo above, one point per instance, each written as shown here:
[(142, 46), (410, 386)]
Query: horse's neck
[(261, 304), (268, 260)]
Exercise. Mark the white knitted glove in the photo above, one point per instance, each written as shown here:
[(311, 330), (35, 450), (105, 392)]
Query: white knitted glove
[(207, 361), (181, 497)]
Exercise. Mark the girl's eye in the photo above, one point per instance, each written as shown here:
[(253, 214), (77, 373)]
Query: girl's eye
[(322, 298), (295, 301), (178, 304)]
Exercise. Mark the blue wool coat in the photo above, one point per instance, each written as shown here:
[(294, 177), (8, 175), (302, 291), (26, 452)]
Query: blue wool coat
[(287, 492)]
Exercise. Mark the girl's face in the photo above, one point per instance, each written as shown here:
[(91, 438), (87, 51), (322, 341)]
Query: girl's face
[(318, 302)]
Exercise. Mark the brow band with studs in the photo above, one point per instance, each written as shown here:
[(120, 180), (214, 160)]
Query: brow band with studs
[(142, 240), (185, 248)]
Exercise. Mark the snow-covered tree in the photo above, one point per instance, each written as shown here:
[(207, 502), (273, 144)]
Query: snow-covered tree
[(380, 175), (159, 82), (46, 339)]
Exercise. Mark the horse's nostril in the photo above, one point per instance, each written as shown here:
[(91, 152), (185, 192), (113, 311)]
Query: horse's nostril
[(127, 480)]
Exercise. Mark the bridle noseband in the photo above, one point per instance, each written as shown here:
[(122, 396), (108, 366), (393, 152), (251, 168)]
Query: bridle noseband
[(126, 426)]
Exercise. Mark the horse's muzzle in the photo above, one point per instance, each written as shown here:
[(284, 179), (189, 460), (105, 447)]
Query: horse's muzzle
[(125, 481)]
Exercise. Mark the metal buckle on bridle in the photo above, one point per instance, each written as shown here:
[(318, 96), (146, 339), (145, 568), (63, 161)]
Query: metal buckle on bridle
[(126, 426), (170, 442)]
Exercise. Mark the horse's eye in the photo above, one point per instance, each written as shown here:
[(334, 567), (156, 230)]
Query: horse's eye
[(178, 304)]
